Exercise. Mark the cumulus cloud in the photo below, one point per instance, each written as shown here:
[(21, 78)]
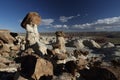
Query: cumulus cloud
[(60, 26), (101, 24), (65, 19), (47, 22), (98, 25)]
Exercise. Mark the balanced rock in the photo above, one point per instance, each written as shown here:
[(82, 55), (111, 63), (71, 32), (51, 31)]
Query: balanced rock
[(61, 41)]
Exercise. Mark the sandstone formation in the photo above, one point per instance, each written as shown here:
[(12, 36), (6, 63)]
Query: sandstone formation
[(60, 42), (30, 23), (33, 64)]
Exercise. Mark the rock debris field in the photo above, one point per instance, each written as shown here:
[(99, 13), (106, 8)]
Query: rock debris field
[(59, 57)]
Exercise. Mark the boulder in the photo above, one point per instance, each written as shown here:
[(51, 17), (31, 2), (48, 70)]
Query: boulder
[(5, 48), (82, 63), (80, 54), (6, 37), (108, 45), (31, 18), (91, 44), (4, 54), (34, 67), (97, 73), (46, 69), (4, 60), (79, 44)]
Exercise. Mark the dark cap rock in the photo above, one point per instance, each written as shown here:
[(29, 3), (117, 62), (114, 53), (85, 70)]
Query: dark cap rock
[(60, 33), (31, 18)]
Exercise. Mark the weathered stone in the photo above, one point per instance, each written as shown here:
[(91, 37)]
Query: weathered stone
[(80, 54), (42, 68), (5, 48), (60, 34), (35, 67), (61, 56), (79, 44), (30, 23), (97, 73), (91, 44), (82, 63), (108, 45), (6, 37), (60, 41), (4, 60), (31, 18), (5, 54)]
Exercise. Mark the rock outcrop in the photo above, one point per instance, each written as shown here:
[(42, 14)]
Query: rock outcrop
[(108, 45), (91, 44), (6, 37), (79, 44), (60, 41)]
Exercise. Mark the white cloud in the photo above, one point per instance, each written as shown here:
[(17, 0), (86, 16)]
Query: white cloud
[(47, 22), (100, 24), (108, 20), (61, 26), (65, 19)]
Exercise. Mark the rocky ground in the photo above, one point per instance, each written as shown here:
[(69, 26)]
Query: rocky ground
[(85, 59)]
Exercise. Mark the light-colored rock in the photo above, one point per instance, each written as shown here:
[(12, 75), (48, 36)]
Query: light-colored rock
[(6, 37), (4, 60), (42, 68), (5, 54), (91, 44), (79, 44), (108, 45), (82, 63), (95, 44), (8, 69), (61, 41)]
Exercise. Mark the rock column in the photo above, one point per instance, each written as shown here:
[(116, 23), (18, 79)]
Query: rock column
[(61, 41)]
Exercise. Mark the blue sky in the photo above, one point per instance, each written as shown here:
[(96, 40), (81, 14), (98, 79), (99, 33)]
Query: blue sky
[(66, 15)]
